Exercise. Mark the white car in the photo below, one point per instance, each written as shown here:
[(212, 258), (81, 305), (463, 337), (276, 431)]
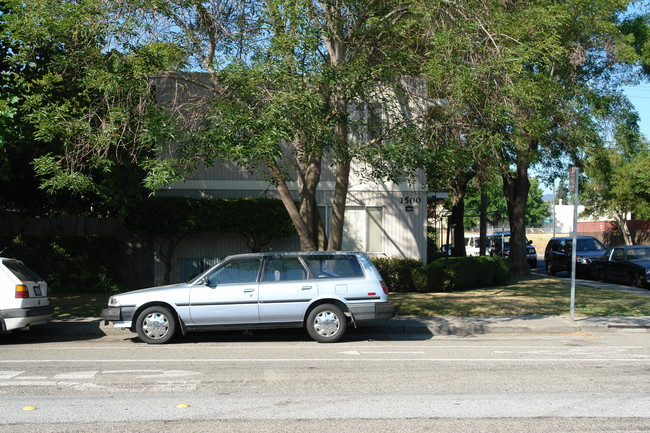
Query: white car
[(23, 297), (321, 291)]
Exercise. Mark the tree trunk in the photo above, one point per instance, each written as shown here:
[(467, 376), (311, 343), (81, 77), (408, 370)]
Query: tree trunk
[(309, 168), (167, 248), (338, 206), (515, 188), (343, 159), (458, 185), (457, 221), (625, 229), (335, 37), (483, 225), (304, 233)]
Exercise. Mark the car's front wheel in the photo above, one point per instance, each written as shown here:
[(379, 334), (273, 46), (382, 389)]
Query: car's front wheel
[(635, 280), (156, 325), (326, 323)]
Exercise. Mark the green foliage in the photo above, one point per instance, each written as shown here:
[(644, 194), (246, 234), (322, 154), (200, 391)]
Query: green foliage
[(462, 273), (441, 275), (260, 220), (87, 108), (7, 112), (536, 208), (617, 181), (403, 275), (69, 264)]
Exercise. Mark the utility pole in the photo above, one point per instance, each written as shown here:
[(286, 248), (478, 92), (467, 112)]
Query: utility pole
[(573, 188)]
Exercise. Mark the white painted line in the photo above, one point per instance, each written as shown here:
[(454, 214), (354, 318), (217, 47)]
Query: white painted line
[(397, 353), (285, 360), (77, 375)]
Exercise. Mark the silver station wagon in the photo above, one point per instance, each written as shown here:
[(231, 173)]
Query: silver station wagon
[(321, 291)]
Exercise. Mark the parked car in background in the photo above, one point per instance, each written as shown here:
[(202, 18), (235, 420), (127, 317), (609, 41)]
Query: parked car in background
[(626, 264), (500, 247), (23, 297), (445, 250), (557, 257), (473, 245), (321, 291)]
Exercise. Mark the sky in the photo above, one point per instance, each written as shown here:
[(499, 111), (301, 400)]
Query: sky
[(640, 97)]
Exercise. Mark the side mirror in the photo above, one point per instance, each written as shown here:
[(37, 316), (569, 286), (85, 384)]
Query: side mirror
[(530, 242)]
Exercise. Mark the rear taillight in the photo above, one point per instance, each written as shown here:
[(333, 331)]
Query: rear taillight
[(22, 291), (384, 287)]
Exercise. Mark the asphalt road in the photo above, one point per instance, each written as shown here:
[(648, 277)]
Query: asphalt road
[(282, 381)]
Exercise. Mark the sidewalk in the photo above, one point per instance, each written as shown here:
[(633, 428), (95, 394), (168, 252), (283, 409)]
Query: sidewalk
[(445, 325), (450, 325)]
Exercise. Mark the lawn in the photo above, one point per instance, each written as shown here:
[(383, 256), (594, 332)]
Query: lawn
[(530, 295), (79, 305)]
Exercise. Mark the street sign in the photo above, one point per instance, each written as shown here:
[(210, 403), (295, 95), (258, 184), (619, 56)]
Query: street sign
[(573, 177)]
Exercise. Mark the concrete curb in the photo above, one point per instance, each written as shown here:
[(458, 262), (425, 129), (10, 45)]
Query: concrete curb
[(444, 325)]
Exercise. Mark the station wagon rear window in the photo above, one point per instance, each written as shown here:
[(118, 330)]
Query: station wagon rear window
[(334, 266)]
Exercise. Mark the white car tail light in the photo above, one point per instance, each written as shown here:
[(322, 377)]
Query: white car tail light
[(22, 291)]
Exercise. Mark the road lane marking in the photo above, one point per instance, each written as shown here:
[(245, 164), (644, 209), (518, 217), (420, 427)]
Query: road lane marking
[(10, 374), (356, 352), (285, 360), (77, 375)]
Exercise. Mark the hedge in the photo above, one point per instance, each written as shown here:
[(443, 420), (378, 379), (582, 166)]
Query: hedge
[(443, 275), (68, 263)]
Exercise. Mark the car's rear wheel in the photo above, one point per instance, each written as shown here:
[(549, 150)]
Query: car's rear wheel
[(156, 325), (326, 323), (550, 269)]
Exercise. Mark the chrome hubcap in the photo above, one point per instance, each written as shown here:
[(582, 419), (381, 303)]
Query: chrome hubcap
[(327, 324), (155, 326)]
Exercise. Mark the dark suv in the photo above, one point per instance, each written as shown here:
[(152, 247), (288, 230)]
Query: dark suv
[(557, 257), (500, 247)]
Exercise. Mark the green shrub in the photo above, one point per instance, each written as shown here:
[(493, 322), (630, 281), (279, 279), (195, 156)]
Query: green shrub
[(402, 275), (443, 275), (69, 264)]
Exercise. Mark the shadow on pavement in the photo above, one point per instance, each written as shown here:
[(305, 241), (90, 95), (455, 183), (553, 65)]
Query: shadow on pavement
[(366, 331), (57, 331)]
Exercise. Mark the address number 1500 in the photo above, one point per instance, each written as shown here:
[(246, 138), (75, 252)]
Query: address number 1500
[(410, 200)]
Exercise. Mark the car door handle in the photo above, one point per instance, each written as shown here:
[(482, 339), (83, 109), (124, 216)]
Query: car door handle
[(249, 290), (306, 287)]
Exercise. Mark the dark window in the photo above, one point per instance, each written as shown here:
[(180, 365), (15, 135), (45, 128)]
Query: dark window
[(22, 272), (619, 255), (589, 245)]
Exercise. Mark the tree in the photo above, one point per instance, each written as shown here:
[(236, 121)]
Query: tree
[(285, 79), (617, 180), (86, 111), (540, 71)]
